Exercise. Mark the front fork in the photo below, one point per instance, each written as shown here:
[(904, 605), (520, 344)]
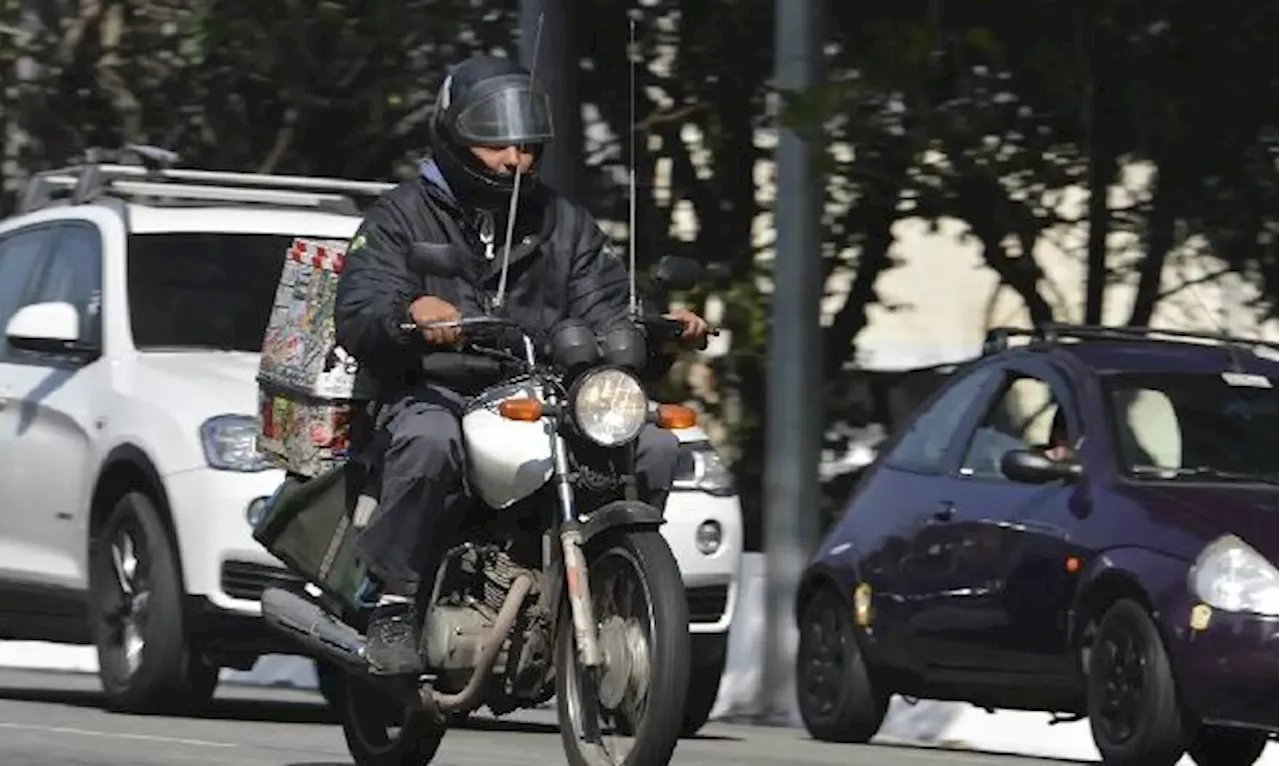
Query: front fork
[(575, 562)]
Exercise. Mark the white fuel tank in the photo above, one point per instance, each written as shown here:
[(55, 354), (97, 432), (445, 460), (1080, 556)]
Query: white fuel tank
[(508, 460)]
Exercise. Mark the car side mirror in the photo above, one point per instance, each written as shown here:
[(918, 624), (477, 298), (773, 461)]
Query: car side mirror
[(1033, 467), (49, 328), (678, 273)]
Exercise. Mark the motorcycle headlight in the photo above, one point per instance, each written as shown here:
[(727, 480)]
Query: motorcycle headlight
[(610, 407), (230, 444), (1231, 576)]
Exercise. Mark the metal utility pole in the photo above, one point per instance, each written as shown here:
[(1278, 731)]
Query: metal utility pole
[(794, 428), (556, 70)]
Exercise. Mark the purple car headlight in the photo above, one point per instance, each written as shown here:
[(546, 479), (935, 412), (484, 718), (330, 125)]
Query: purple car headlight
[(1231, 576)]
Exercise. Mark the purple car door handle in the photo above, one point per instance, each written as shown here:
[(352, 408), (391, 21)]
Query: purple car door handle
[(945, 511)]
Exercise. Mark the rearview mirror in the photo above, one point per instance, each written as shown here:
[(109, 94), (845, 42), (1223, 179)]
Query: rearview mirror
[(677, 273), (437, 260), (1033, 467), (51, 328)]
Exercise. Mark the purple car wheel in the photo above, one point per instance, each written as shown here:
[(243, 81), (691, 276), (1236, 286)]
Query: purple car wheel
[(837, 698), (1132, 698)]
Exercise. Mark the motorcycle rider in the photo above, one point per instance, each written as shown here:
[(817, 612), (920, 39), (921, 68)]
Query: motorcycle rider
[(490, 120)]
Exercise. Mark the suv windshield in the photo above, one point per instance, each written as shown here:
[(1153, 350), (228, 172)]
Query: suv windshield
[(1216, 427), (203, 290)]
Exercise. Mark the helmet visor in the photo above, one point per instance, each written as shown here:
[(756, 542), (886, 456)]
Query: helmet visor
[(510, 116)]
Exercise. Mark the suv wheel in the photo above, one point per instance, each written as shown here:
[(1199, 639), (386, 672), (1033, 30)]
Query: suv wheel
[(136, 602), (838, 701), (706, 668), (1132, 699)]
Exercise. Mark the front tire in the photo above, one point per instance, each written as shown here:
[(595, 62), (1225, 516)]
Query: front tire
[(838, 700), (369, 724), (1131, 696), (639, 602), (146, 663)]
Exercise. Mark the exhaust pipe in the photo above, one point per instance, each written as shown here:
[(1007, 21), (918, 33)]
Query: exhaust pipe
[(314, 628)]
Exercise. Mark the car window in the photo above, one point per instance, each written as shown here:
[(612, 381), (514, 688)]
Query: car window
[(75, 276), (1025, 415), (1201, 426), (203, 290), (924, 444), (20, 254)]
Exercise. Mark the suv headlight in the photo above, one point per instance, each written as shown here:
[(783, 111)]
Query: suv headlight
[(702, 468), (230, 444), (1231, 576), (610, 407)]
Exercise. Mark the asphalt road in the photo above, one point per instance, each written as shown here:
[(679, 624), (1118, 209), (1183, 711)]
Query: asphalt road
[(56, 720)]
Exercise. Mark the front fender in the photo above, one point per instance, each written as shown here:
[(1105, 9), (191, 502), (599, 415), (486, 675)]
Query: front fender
[(1158, 577), (619, 514)]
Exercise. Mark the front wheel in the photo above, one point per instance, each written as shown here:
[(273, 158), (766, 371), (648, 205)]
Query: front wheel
[(643, 628), (1213, 746), (145, 660)]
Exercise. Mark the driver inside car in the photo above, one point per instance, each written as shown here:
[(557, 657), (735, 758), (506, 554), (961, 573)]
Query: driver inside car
[(490, 122), (1059, 447)]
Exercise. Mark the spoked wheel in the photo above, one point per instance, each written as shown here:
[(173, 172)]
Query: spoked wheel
[(837, 699), (643, 628), (1132, 701), (380, 731), (144, 659)]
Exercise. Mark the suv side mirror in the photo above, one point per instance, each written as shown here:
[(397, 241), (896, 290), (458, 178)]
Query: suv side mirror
[(49, 328), (1033, 467)]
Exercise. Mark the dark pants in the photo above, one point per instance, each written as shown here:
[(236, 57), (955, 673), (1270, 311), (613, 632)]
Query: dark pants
[(423, 495)]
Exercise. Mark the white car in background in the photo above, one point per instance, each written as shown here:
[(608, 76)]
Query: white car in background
[(128, 390)]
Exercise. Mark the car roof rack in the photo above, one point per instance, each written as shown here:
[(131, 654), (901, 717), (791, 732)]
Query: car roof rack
[(139, 173), (1052, 333)]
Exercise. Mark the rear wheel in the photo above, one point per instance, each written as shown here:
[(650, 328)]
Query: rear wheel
[(1131, 696), (838, 701), (639, 603), (329, 682), (380, 731), (145, 660)]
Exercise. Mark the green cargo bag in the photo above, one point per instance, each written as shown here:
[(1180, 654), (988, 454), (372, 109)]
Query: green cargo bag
[(311, 524)]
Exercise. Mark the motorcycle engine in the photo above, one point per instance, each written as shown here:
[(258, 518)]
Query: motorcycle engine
[(475, 586)]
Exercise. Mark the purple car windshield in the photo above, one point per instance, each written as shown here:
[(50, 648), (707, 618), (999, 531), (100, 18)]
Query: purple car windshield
[(1206, 427)]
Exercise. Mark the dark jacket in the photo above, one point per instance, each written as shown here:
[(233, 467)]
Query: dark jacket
[(561, 267)]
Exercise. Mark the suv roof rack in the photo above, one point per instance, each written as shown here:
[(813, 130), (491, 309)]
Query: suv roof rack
[(151, 177), (1051, 333)]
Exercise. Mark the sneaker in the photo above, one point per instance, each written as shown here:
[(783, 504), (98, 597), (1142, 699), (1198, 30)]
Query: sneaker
[(393, 637)]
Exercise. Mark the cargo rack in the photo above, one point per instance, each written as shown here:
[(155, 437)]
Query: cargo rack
[(1051, 333), (145, 174)]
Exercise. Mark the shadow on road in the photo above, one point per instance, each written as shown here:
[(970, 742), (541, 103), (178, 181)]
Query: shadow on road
[(276, 711), (259, 711)]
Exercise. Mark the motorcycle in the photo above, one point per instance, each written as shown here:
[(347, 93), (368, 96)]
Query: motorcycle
[(559, 583)]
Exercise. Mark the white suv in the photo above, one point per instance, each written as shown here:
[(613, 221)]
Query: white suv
[(127, 401)]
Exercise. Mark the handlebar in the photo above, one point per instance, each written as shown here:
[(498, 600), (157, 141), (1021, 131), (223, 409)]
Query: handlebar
[(660, 328)]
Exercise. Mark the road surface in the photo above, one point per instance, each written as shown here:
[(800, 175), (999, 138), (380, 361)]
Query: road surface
[(49, 719)]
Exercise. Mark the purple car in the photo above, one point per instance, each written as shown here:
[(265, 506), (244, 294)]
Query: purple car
[(1084, 525)]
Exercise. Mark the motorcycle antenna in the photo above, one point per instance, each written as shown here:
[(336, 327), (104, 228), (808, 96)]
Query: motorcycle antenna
[(632, 58), (513, 203)]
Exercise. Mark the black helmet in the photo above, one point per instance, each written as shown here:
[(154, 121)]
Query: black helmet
[(487, 101)]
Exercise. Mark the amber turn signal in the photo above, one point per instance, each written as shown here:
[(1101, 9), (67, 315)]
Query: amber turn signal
[(525, 409), (674, 416)]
